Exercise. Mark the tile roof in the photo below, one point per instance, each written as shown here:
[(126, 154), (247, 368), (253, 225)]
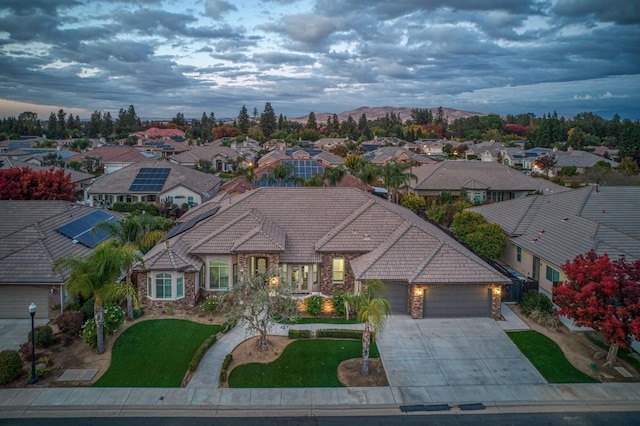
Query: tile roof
[(454, 175), (579, 159), (29, 242), (302, 223), (559, 227), (205, 152), (155, 132), (111, 154), (118, 182)]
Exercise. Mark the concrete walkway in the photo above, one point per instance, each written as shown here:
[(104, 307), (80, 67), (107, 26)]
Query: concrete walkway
[(15, 332), (497, 391)]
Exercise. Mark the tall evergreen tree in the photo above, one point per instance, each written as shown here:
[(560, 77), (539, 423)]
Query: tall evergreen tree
[(268, 120), (243, 120), (311, 121)]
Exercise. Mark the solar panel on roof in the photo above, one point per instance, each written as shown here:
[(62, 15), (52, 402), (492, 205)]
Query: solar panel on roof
[(150, 179), (18, 145), (81, 229)]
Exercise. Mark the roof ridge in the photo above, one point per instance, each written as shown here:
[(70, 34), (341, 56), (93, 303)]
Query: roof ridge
[(218, 231), (425, 262), (388, 243), (335, 231)]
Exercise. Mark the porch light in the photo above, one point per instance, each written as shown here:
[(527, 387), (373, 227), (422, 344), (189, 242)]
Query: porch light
[(497, 291), (419, 291), (273, 282)]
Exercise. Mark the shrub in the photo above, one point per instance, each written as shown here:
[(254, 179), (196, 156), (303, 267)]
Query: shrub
[(26, 352), (227, 326), (224, 372), (299, 334), (73, 307), (138, 312), (170, 309), (545, 319), (532, 300), (44, 336), (70, 322), (113, 317), (313, 304), (338, 299), (87, 309), (338, 333), (10, 366), (210, 305), (197, 357), (148, 208)]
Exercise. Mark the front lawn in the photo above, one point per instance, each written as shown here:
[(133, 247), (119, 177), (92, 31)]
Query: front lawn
[(304, 363), (155, 353), (548, 358)]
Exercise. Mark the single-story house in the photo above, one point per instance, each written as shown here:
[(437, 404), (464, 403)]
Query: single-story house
[(33, 234), (394, 154), (152, 181), (580, 159), (482, 181), (546, 231), (109, 157), (222, 158), (320, 240)]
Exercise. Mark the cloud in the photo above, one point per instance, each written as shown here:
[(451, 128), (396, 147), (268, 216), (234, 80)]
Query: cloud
[(622, 12), (216, 8)]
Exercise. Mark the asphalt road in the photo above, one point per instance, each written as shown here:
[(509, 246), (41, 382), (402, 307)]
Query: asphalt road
[(527, 419)]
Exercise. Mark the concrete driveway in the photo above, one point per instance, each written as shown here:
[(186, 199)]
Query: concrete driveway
[(14, 332), (452, 352)]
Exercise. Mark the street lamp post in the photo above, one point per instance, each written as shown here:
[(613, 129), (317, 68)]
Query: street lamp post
[(32, 311)]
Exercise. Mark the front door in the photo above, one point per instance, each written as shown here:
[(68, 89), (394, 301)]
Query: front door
[(300, 278)]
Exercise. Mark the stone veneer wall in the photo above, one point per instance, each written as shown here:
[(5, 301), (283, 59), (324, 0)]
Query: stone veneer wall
[(326, 273), (191, 293), (416, 301), (273, 261)]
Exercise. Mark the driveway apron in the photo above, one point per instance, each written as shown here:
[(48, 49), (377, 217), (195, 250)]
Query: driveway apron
[(452, 352)]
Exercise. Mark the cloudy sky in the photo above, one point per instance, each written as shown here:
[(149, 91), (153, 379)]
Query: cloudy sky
[(192, 56)]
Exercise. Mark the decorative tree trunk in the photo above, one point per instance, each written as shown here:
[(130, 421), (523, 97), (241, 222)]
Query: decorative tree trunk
[(99, 317), (366, 341), (612, 355), (130, 308)]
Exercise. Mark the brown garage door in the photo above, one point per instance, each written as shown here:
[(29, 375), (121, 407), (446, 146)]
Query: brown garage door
[(15, 301), (457, 301), (396, 295)]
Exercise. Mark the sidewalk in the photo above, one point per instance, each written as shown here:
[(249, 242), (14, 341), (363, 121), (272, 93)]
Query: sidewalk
[(202, 397)]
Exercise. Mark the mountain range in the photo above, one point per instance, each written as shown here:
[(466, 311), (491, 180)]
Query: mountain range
[(373, 113)]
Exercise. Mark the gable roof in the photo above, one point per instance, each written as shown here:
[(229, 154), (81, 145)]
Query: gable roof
[(559, 227), (456, 175), (205, 152), (111, 154), (579, 159), (29, 242), (302, 224)]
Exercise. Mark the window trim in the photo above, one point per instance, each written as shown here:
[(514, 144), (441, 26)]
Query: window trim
[(220, 265), (552, 273), (173, 277), (519, 254)]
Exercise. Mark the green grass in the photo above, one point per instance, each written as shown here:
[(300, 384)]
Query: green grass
[(548, 358), (154, 353), (304, 363)]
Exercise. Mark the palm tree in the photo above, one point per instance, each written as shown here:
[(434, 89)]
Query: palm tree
[(334, 174), (369, 173), (142, 230), (395, 176), (95, 276), (373, 311)]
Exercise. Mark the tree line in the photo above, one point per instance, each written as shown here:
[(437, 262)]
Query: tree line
[(580, 132)]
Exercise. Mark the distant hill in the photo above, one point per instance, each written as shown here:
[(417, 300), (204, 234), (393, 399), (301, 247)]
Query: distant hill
[(373, 113)]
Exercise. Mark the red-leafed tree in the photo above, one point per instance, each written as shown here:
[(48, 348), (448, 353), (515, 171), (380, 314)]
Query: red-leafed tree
[(604, 295), (517, 129), (27, 184)]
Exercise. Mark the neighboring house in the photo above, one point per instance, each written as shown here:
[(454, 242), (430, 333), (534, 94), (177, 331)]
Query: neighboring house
[(482, 181), (580, 159), (393, 154), (156, 133), (81, 179), (519, 158), (303, 169), (161, 148), (153, 181), (33, 234), (544, 232), (320, 240), (222, 158), (329, 143), (486, 150), (111, 157)]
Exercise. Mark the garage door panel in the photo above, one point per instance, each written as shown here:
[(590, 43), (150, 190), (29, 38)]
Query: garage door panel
[(396, 295), (457, 301), (15, 301)]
